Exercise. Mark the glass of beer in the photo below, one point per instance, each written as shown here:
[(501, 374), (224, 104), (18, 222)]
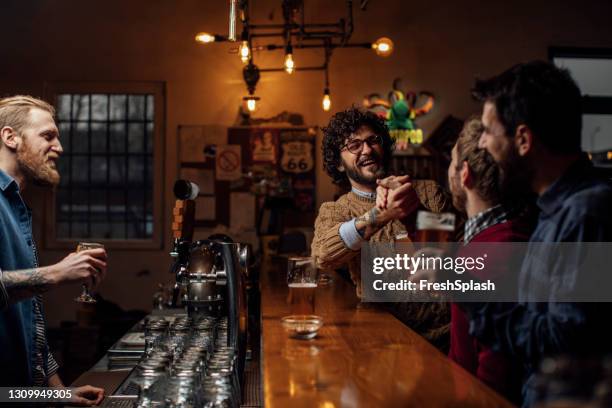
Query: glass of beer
[(85, 296), (302, 278), (432, 227)]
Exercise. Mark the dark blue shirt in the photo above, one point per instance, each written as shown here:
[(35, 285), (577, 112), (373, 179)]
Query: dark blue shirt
[(18, 320), (576, 208)]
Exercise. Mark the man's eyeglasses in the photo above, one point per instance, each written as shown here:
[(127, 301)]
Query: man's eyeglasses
[(355, 145)]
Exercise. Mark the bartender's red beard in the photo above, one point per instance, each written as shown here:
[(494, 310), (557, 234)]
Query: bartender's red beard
[(39, 170)]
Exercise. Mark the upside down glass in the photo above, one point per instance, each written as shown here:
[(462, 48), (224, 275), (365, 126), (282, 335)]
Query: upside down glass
[(85, 296)]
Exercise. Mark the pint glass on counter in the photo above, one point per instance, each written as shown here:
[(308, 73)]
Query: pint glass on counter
[(302, 280), (432, 227)]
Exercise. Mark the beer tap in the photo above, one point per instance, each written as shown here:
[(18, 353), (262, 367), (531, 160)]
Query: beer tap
[(180, 252)]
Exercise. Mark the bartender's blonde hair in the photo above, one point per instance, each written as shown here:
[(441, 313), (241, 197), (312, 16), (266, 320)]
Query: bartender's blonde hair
[(15, 110)]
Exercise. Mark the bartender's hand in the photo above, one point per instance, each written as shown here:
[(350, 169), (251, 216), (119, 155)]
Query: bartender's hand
[(87, 395), (87, 267)]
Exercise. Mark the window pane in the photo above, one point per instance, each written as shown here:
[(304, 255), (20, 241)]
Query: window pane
[(80, 170), (62, 197), (136, 170), (80, 139), (98, 205), (136, 107), (79, 230), (63, 167), (63, 107), (117, 170), (136, 138), (101, 230), (150, 107), (99, 107), (150, 138), (80, 107), (64, 134), (117, 230), (98, 137), (118, 108), (98, 169), (117, 138), (63, 230)]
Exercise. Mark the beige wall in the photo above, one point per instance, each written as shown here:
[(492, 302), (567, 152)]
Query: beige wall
[(440, 46)]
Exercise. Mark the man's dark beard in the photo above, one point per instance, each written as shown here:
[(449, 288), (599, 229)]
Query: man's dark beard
[(355, 174), (515, 175)]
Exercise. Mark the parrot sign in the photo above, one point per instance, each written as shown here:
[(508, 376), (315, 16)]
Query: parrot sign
[(400, 112)]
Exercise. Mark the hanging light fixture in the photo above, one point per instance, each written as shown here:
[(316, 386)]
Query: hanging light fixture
[(205, 38), (289, 63), (251, 102), (293, 32), (326, 100), (383, 47), (250, 73)]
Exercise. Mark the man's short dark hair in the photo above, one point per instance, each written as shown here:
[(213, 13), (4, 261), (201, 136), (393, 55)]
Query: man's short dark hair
[(340, 127), (543, 97)]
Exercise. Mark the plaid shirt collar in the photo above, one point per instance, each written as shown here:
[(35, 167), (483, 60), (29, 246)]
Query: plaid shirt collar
[(483, 220)]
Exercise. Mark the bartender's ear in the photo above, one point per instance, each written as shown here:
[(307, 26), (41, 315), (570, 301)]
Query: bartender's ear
[(523, 140), (9, 137)]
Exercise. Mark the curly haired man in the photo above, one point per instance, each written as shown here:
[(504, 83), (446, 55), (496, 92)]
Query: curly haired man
[(357, 150)]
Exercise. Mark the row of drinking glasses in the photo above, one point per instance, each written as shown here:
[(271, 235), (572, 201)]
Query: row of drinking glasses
[(188, 365)]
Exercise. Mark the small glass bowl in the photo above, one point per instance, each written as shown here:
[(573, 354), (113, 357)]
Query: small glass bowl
[(302, 326)]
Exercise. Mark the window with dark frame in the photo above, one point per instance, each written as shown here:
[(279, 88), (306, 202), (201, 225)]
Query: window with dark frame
[(107, 168)]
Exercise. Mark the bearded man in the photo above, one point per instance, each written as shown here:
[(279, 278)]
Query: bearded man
[(357, 151), (29, 149), (532, 117)]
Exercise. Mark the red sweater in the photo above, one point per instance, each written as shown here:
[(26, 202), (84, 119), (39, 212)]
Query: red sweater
[(497, 370)]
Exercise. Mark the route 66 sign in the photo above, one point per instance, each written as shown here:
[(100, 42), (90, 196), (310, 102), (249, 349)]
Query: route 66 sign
[(297, 157)]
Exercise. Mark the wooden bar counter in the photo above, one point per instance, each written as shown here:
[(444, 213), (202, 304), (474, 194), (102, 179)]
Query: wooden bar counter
[(362, 357)]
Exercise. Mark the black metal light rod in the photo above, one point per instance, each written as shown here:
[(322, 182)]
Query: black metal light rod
[(334, 46), (304, 36), (320, 68), (293, 25)]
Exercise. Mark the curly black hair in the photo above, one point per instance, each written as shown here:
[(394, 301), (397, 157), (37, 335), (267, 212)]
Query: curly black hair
[(340, 127)]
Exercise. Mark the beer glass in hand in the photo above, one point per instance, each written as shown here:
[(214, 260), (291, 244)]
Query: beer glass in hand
[(302, 278), (432, 227), (85, 296)]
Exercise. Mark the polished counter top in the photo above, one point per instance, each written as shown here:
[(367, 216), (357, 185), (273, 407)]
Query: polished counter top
[(362, 357)]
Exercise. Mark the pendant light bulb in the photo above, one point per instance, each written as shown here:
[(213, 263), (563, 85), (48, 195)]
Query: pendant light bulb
[(251, 104), (383, 47), (205, 38), (326, 101), (245, 52), (289, 63)]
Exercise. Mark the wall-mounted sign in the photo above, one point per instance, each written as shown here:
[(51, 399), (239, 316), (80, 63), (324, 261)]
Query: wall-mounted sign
[(297, 157), (228, 162)]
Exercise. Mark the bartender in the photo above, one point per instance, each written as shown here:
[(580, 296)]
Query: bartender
[(357, 150), (29, 149)]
